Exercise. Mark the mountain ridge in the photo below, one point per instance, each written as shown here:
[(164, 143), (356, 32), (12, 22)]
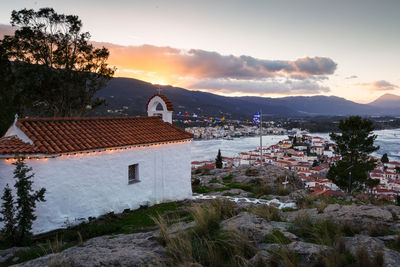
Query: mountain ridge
[(131, 95)]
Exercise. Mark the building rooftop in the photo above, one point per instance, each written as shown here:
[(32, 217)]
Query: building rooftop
[(64, 135)]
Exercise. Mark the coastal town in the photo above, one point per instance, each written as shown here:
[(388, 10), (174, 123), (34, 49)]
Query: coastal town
[(310, 157), (232, 131)]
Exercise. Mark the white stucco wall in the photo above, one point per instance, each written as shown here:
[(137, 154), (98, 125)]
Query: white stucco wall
[(85, 185)]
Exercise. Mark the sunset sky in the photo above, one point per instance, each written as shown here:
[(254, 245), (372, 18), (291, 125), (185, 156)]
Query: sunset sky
[(346, 48)]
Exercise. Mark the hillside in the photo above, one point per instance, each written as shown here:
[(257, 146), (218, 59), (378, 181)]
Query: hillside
[(133, 95), (387, 101)]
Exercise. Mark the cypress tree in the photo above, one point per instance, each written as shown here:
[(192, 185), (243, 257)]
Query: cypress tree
[(385, 158), (218, 160), (8, 215), (26, 200)]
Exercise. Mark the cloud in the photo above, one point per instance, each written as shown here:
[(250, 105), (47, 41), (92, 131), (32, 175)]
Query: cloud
[(208, 70), (207, 64), (351, 77), (380, 85), (260, 87)]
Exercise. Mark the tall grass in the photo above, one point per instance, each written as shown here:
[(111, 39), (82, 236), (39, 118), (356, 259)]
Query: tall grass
[(206, 243), (269, 213)]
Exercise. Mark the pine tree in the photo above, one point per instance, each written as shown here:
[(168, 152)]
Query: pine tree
[(26, 200), (354, 145), (8, 215), (218, 160), (385, 158)]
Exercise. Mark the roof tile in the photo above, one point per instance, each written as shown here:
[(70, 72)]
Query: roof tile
[(63, 135)]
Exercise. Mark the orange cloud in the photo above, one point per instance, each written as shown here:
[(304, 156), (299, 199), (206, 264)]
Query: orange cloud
[(200, 69), (380, 85)]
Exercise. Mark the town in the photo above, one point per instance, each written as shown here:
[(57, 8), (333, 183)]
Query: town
[(310, 157), (232, 131)]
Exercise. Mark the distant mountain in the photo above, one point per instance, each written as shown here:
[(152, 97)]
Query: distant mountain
[(387, 101), (129, 96)]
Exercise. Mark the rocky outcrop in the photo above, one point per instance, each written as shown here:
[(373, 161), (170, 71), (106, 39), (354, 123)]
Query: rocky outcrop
[(363, 216), (250, 225), (140, 249), (269, 177), (372, 246)]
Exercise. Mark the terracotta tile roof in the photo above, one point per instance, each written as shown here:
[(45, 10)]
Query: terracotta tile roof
[(10, 144), (62, 135), (168, 102)]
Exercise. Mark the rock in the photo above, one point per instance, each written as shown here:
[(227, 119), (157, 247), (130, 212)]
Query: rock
[(5, 257), (308, 251), (139, 249), (352, 212), (260, 259), (281, 226), (394, 210), (250, 225), (373, 245), (388, 238), (6, 254)]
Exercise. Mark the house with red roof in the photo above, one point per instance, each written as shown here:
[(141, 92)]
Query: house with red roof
[(94, 165)]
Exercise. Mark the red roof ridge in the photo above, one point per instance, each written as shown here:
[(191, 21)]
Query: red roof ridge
[(73, 134), (85, 118)]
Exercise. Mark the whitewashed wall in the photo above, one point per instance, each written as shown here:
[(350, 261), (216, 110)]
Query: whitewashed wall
[(85, 186)]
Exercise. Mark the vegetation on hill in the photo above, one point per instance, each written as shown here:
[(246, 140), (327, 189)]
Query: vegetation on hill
[(55, 70), (354, 144)]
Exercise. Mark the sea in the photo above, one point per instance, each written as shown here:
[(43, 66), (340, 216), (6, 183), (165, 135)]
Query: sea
[(387, 140)]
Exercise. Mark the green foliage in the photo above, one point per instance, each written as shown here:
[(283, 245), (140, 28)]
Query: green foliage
[(19, 214), (214, 181), (8, 96), (206, 244), (323, 231), (269, 213), (354, 145), (26, 199), (228, 178), (385, 158), (8, 215), (277, 237), (218, 160), (315, 163), (56, 69), (395, 244)]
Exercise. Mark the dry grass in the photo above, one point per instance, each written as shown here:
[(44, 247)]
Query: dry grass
[(321, 231), (269, 213), (206, 243)]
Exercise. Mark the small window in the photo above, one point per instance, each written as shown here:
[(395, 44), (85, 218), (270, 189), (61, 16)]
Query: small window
[(133, 173)]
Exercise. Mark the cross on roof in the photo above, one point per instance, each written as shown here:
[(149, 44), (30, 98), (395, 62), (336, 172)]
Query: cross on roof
[(159, 90)]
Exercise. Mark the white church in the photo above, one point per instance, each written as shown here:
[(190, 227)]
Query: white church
[(92, 166)]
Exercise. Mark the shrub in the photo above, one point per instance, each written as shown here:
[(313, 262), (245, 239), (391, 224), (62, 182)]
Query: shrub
[(206, 243), (22, 214), (305, 202), (322, 231), (277, 237), (394, 244), (269, 213), (227, 179), (378, 229), (215, 181)]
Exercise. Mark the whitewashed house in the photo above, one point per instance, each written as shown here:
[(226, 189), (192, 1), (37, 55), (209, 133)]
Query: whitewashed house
[(91, 166)]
